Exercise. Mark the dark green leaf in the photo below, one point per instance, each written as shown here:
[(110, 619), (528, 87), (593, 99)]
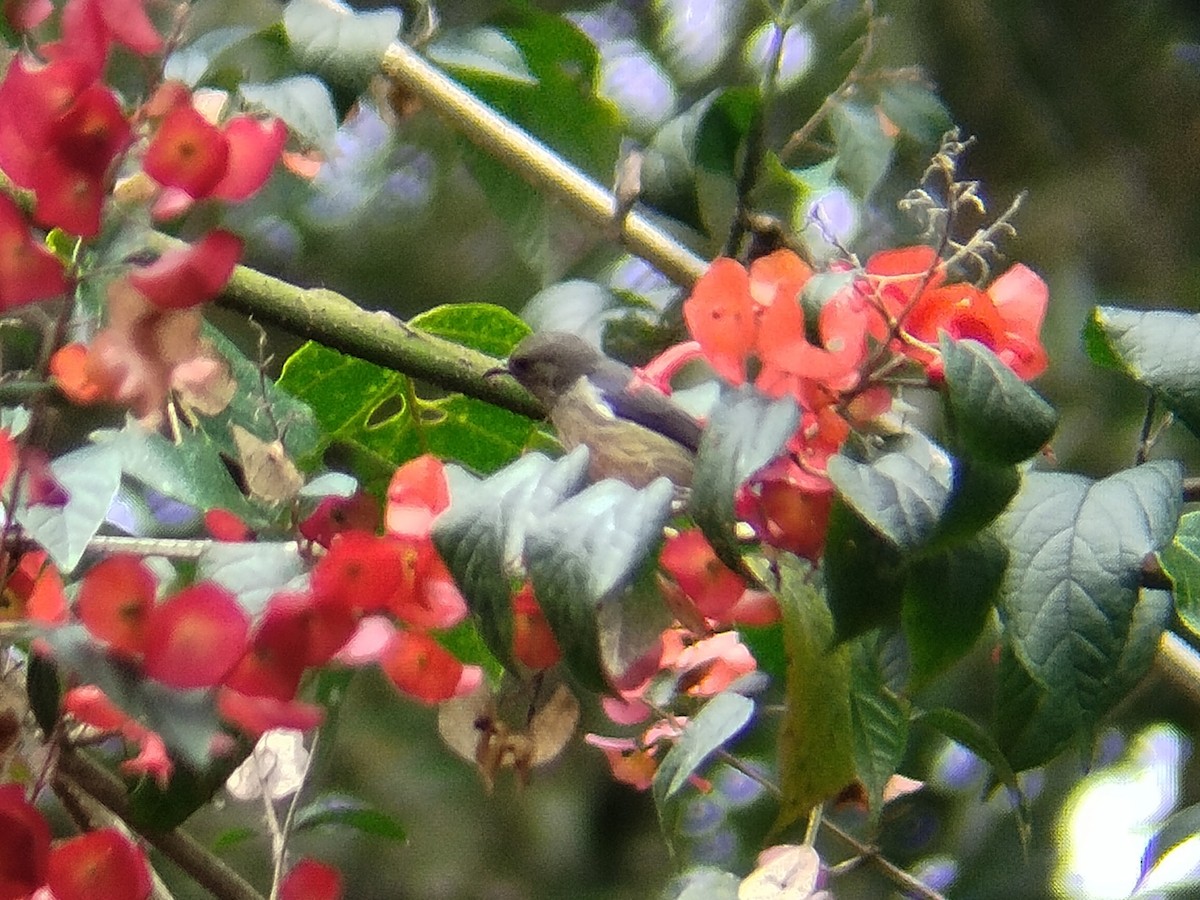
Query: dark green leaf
[(816, 742), (745, 431), (864, 149), (44, 691), (481, 535), (1068, 600), (995, 416), (190, 788), (864, 574), (349, 812), (978, 493), (90, 476), (719, 720), (902, 493), (584, 554), (232, 837), (1181, 560), (1156, 349), (947, 601), (969, 734), (878, 720), (302, 102)]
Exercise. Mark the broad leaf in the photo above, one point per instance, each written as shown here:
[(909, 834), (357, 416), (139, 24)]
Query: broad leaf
[(344, 47), (1180, 826), (995, 416), (191, 63), (584, 554), (1156, 349), (703, 883), (745, 431), (816, 742), (879, 722), (302, 102), (91, 476), (253, 572), (864, 574), (902, 493), (969, 734), (1181, 560), (864, 149), (348, 812), (948, 598), (481, 535), (485, 51), (1076, 550), (719, 720)]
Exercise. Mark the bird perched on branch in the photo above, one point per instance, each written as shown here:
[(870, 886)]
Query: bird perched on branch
[(633, 431)]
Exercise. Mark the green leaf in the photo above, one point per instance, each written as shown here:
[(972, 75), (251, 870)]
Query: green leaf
[(878, 721), (190, 471), (192, 63), (1076, 550), (1181, 560), (864, 574), (1157, 349), (253, 572), (584, 554), (816, 742), (978, 493), (44, 691), (484, 51), (947, 602), (349, 812), (864, 149), (745, 431), (91, 476), (996, 416), (915, 109), (190, 788), (966, 732), (302, 102), (719, 720), (703, 883), (902, 493), (231, 837), (341, 45), (481, 535)]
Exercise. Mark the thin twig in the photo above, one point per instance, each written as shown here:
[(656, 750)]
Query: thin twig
[(1143, 449), (906, 882)]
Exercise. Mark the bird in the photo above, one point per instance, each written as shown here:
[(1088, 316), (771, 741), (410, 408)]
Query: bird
[(633, 431)]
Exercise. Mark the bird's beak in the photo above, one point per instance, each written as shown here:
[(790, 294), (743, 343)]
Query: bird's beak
[(497, 371)]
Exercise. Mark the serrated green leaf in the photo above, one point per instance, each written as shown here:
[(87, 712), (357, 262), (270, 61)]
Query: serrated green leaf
[(995, 416), (745, 431), (902, 493), (864, 574), (302, 102), (719, 720), (481, 534), (91, 477), (1070, 596), (878, 721), (864, 149), (1155, 348), (948, 598), (816, 742), (584, 554), (966, 732), (348, 812), (1181, 560)]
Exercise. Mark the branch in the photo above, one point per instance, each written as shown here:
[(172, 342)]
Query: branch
[(545, 170), (337, 322), (77, 772)]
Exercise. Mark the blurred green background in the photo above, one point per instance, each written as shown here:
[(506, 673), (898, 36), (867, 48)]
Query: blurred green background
[(1093, 107)]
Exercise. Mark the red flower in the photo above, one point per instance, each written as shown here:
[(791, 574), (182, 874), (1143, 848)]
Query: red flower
[(91, 27), (35, 590), (311, 880), (533, 641), (99, 864), (424, 669), (25, 849), (28, 270), (59, 135), (90, 706), (194, 638), (115, 602), (255, 716), (334, 515), (706, 581), (188, 276)]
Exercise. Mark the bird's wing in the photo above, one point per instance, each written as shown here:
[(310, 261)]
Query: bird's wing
[(645, 405)]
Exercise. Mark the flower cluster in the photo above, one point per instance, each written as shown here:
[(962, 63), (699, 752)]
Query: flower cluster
[(829, 341)]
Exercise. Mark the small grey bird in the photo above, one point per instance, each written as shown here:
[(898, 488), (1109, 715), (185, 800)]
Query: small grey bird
[(632, 431)]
